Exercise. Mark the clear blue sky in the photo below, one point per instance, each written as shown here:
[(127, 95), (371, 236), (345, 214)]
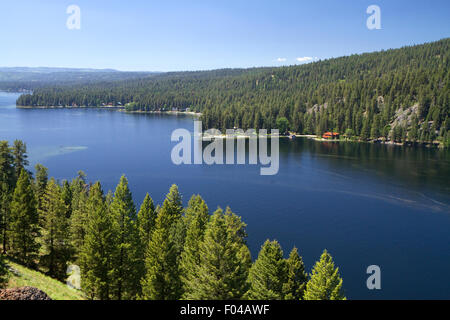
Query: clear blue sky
[(167, 35)]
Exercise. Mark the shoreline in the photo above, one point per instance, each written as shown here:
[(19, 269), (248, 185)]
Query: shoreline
[(197, 114), (118, 108), (291, 136)]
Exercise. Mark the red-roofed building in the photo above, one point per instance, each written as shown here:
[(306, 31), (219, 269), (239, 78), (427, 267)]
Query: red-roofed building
[(330, 135)]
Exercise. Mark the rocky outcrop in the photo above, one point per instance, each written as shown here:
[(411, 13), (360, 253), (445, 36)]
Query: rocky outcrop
[(404, 117), (23, 293)]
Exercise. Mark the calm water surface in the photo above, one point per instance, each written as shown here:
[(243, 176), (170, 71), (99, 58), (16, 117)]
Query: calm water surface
[(367, 204)]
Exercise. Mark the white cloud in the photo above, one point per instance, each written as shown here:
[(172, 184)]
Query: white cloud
[(305, 59), (281, 59)]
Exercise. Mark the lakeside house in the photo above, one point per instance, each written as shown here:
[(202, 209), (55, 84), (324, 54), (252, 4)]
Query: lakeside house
[(330, 135)]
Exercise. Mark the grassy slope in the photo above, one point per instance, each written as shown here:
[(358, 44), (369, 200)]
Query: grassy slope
[(25, 277)]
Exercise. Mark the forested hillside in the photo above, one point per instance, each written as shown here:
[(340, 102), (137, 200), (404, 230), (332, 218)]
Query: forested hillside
[(400, 94)]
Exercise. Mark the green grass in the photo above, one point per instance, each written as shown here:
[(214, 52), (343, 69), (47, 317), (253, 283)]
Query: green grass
[(21, 276)]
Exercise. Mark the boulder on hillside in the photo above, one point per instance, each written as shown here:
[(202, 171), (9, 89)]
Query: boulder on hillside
[(23, 293)]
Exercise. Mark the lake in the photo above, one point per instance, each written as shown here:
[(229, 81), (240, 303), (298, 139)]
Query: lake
[(367, 204)]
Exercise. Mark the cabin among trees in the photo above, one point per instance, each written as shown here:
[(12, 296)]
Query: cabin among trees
[(331, 135)]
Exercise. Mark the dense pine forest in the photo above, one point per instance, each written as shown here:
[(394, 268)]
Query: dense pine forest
[(401, 95), (162, 252)]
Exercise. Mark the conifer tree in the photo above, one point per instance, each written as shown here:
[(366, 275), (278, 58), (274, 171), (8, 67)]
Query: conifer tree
[(7, 183), (66, 193), (325, 282), (96, 254), (162, 280), (40, 183), (296, 277), (24, 221), (196, 217), (268, 273), (224, 259), (56, 249), (146, 220), (126, 246), (79, 216), (174, 207), (19, 151)]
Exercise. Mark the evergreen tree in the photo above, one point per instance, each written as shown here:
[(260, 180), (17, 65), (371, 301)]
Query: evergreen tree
[(24, 221), (174, 206), (224, 260), (56, 249), (196, 217), (413, 133), (19, 151), (295, 285), (268, 273), (125, 283), (146, 220), (7, 184), (162, 279), (173, 203), (97, 252), (66, 194), (79, 216), (40, 183), (325, 282)]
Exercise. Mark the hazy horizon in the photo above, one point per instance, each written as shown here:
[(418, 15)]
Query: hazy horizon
[(178, 36)]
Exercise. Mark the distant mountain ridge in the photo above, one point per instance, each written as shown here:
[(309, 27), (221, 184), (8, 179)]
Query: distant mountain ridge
[(30, 78), (53, 69)]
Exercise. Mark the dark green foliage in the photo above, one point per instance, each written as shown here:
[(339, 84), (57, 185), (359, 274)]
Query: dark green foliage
[(40, 183), (146, 220), (224, 260), (79, 215), (296, 277), (7, 184), (325, 282), (126, 282), (24, 221), (19, 151), (162, 280), (67, 196), (282, 125), (96, 261), (196, 219), (56, 250), (268, 273)]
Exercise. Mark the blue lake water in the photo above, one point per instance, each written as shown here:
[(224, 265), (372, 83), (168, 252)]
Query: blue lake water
[(367, 204)]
